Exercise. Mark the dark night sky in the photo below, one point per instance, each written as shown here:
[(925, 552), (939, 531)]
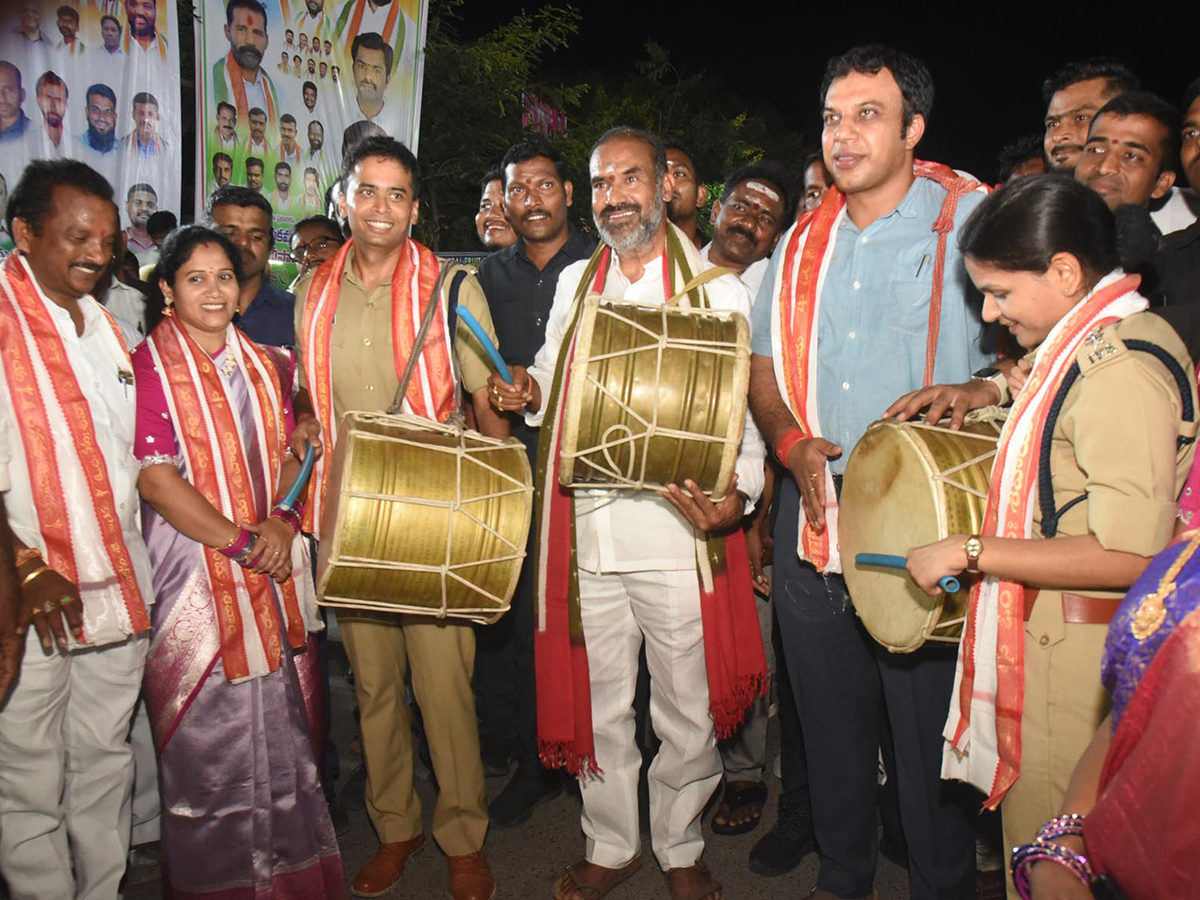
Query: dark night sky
[(988, 71)]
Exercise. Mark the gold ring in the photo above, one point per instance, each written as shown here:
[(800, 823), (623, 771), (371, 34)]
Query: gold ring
[(65, 599), (48, 607), (812, 476)]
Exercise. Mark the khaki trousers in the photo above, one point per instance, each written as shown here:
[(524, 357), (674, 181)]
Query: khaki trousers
[(382, 649), (1064, 705)]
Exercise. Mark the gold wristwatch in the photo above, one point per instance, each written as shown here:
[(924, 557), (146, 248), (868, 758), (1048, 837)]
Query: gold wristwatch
[(973, 546)]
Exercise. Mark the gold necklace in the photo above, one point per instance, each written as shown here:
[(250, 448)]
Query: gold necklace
[(1152, 611)]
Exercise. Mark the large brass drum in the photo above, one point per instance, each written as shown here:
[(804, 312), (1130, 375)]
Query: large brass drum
[(657, 394), (426, 519), (908, 484)]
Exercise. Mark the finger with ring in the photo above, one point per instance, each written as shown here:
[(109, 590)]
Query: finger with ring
[(48, 607), (812, 476), (65, 599)]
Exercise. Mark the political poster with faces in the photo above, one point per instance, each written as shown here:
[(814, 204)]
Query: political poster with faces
[(286, 85), (97, 81)]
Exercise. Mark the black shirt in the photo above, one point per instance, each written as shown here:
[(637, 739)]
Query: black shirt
[(520, 296)]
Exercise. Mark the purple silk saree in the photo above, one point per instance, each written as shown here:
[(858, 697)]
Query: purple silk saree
[(243, 813)]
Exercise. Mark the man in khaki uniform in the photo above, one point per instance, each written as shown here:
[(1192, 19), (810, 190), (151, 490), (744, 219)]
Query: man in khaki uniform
[(1114, 445), (369, 284)]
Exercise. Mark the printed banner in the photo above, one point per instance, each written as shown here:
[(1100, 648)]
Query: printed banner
[(285, 85), (98, 81)]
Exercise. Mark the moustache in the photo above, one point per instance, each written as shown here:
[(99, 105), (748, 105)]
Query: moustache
[(92, 268), (610, 211), (534, 212), (1063, 148), (744, 232)]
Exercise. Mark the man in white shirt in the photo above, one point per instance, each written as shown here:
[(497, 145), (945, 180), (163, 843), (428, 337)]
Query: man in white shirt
[(637, 556), (65, 764)]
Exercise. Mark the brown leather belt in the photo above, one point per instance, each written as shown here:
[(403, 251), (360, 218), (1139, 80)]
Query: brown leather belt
[(1080, 609)]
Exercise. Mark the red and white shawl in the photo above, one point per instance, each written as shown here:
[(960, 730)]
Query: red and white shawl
[(798, 287), (431, 392), (73, 498), (212, 446)]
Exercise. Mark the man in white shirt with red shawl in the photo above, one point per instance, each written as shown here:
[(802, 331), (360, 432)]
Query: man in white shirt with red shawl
[(668, 569), (67, 425)]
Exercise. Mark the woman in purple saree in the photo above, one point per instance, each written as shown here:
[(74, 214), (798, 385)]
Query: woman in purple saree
[(244, 817)]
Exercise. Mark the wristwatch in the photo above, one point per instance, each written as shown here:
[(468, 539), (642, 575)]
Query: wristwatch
[(996, 377), (973, 546)]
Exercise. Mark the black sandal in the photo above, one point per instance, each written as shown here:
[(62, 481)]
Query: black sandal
[(737, 797)]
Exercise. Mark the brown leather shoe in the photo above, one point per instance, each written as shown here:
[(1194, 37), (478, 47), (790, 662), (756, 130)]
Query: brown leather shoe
[(381, 872), (470, 877)]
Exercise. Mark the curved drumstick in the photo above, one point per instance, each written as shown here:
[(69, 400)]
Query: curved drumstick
[(306, 467), (471, 322), (947, 583)]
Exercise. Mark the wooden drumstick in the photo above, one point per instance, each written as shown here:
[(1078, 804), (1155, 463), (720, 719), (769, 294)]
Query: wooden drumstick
[(947, 583)]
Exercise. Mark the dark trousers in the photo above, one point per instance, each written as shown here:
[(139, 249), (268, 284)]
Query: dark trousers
[(505, 690), (793, 766), (843, 674), (939, 817), (835, 679)]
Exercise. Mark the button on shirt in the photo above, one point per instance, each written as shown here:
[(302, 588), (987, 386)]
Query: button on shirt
[(623, 531), (269, 319), (874, 314), (112, 406)]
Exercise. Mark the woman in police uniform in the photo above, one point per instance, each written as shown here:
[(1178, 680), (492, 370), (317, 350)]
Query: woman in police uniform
[(1083, 493)]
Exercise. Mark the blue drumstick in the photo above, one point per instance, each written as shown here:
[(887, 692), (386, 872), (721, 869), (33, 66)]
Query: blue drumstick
[(947, 583), (471, 322), (306, 468)]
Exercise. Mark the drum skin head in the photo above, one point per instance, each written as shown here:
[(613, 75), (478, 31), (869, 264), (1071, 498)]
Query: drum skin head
[(906, 485)]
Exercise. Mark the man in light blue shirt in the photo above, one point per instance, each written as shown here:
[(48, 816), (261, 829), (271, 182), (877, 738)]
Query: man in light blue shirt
[(871, 325)]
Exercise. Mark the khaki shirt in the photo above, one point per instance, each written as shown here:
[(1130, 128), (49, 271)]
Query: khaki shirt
[(1115, 440), (362, 356)]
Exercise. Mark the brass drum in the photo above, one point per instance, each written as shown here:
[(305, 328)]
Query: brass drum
[(657, 394), (426, 519), (908, 484)]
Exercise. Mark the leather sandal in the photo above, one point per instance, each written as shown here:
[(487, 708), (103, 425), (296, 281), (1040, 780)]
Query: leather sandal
[(601, 883)]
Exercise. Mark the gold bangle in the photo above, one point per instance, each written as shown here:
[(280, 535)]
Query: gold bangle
[(34, 574), (27, 554)]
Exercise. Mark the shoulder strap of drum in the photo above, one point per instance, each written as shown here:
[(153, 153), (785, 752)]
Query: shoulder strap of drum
[(419, 343), (452, 306), (1050, 515)]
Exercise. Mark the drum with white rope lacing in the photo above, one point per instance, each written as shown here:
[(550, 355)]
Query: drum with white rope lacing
[(657, 393), (428, 519), (908, 484)]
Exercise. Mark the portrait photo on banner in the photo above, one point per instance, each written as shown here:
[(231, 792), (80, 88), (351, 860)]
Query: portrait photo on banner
[(97, 81), (285, 84)]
